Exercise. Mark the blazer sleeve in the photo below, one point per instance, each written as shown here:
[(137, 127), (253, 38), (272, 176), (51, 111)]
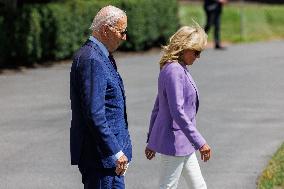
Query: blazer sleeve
[(174, 84), (92, 84), (153, 116)]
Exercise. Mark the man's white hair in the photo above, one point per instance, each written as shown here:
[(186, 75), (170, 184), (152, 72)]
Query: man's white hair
[(108, 15)]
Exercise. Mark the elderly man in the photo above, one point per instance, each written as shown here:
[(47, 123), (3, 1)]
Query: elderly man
[(99, 137)]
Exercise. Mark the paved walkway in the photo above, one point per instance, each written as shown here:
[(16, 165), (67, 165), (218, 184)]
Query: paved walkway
[(241, 116)]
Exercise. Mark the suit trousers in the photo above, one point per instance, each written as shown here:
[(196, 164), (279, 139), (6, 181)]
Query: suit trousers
[(172, 167), (101, 178), (213, 17)]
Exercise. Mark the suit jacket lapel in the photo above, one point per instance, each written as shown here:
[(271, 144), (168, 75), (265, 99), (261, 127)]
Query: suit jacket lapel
[(120, 82), (108, 63), (115, 74)]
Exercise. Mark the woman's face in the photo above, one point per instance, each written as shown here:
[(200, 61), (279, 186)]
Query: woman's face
[(189, 56)]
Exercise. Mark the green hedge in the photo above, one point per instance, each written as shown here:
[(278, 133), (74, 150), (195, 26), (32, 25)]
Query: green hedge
[(54, 31), (150, 23), (21, 34)]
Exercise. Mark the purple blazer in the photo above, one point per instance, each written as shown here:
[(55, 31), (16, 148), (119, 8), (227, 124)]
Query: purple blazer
[(172, 128)]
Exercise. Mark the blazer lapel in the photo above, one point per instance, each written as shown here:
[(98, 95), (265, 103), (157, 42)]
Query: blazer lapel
[(194, 86), (191, 81)]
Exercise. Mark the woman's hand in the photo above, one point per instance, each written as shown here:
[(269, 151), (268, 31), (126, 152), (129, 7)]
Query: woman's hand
[(205, 152), (149, 153)]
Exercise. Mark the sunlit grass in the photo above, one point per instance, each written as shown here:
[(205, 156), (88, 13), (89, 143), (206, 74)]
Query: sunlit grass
[(273, 175), (241, 23)]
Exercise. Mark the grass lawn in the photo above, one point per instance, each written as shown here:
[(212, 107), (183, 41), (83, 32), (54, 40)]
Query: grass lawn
[(273, 175), (260, 22)]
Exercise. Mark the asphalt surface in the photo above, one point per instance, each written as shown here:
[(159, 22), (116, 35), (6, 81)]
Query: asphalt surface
[(241, 116)]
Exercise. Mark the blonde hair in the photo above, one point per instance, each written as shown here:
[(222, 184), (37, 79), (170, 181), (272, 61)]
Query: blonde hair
[(187, 37)]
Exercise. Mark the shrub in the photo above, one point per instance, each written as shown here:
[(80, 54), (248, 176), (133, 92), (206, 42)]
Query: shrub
[(21, 36), (54, 31), (149, 23)]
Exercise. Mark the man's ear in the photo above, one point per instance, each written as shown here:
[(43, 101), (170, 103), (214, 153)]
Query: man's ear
[(104, 30)]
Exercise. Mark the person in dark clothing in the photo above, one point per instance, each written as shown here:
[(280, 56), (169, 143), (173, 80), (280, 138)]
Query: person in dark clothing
[(213, 10)]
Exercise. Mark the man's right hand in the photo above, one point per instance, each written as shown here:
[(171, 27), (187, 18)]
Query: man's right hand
[(121, 165)]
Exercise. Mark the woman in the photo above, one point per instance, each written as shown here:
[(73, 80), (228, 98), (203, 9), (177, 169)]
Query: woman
[(172, 132)]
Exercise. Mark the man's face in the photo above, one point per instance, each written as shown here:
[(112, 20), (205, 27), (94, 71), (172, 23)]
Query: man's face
[(116, 34)]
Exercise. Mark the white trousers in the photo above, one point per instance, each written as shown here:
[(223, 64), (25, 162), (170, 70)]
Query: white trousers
[(172, 167)]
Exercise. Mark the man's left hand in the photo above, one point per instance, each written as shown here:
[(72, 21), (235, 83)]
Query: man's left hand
[(121, 165)]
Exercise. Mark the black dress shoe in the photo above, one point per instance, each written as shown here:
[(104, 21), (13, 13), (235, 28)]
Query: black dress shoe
[(219, 47)]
